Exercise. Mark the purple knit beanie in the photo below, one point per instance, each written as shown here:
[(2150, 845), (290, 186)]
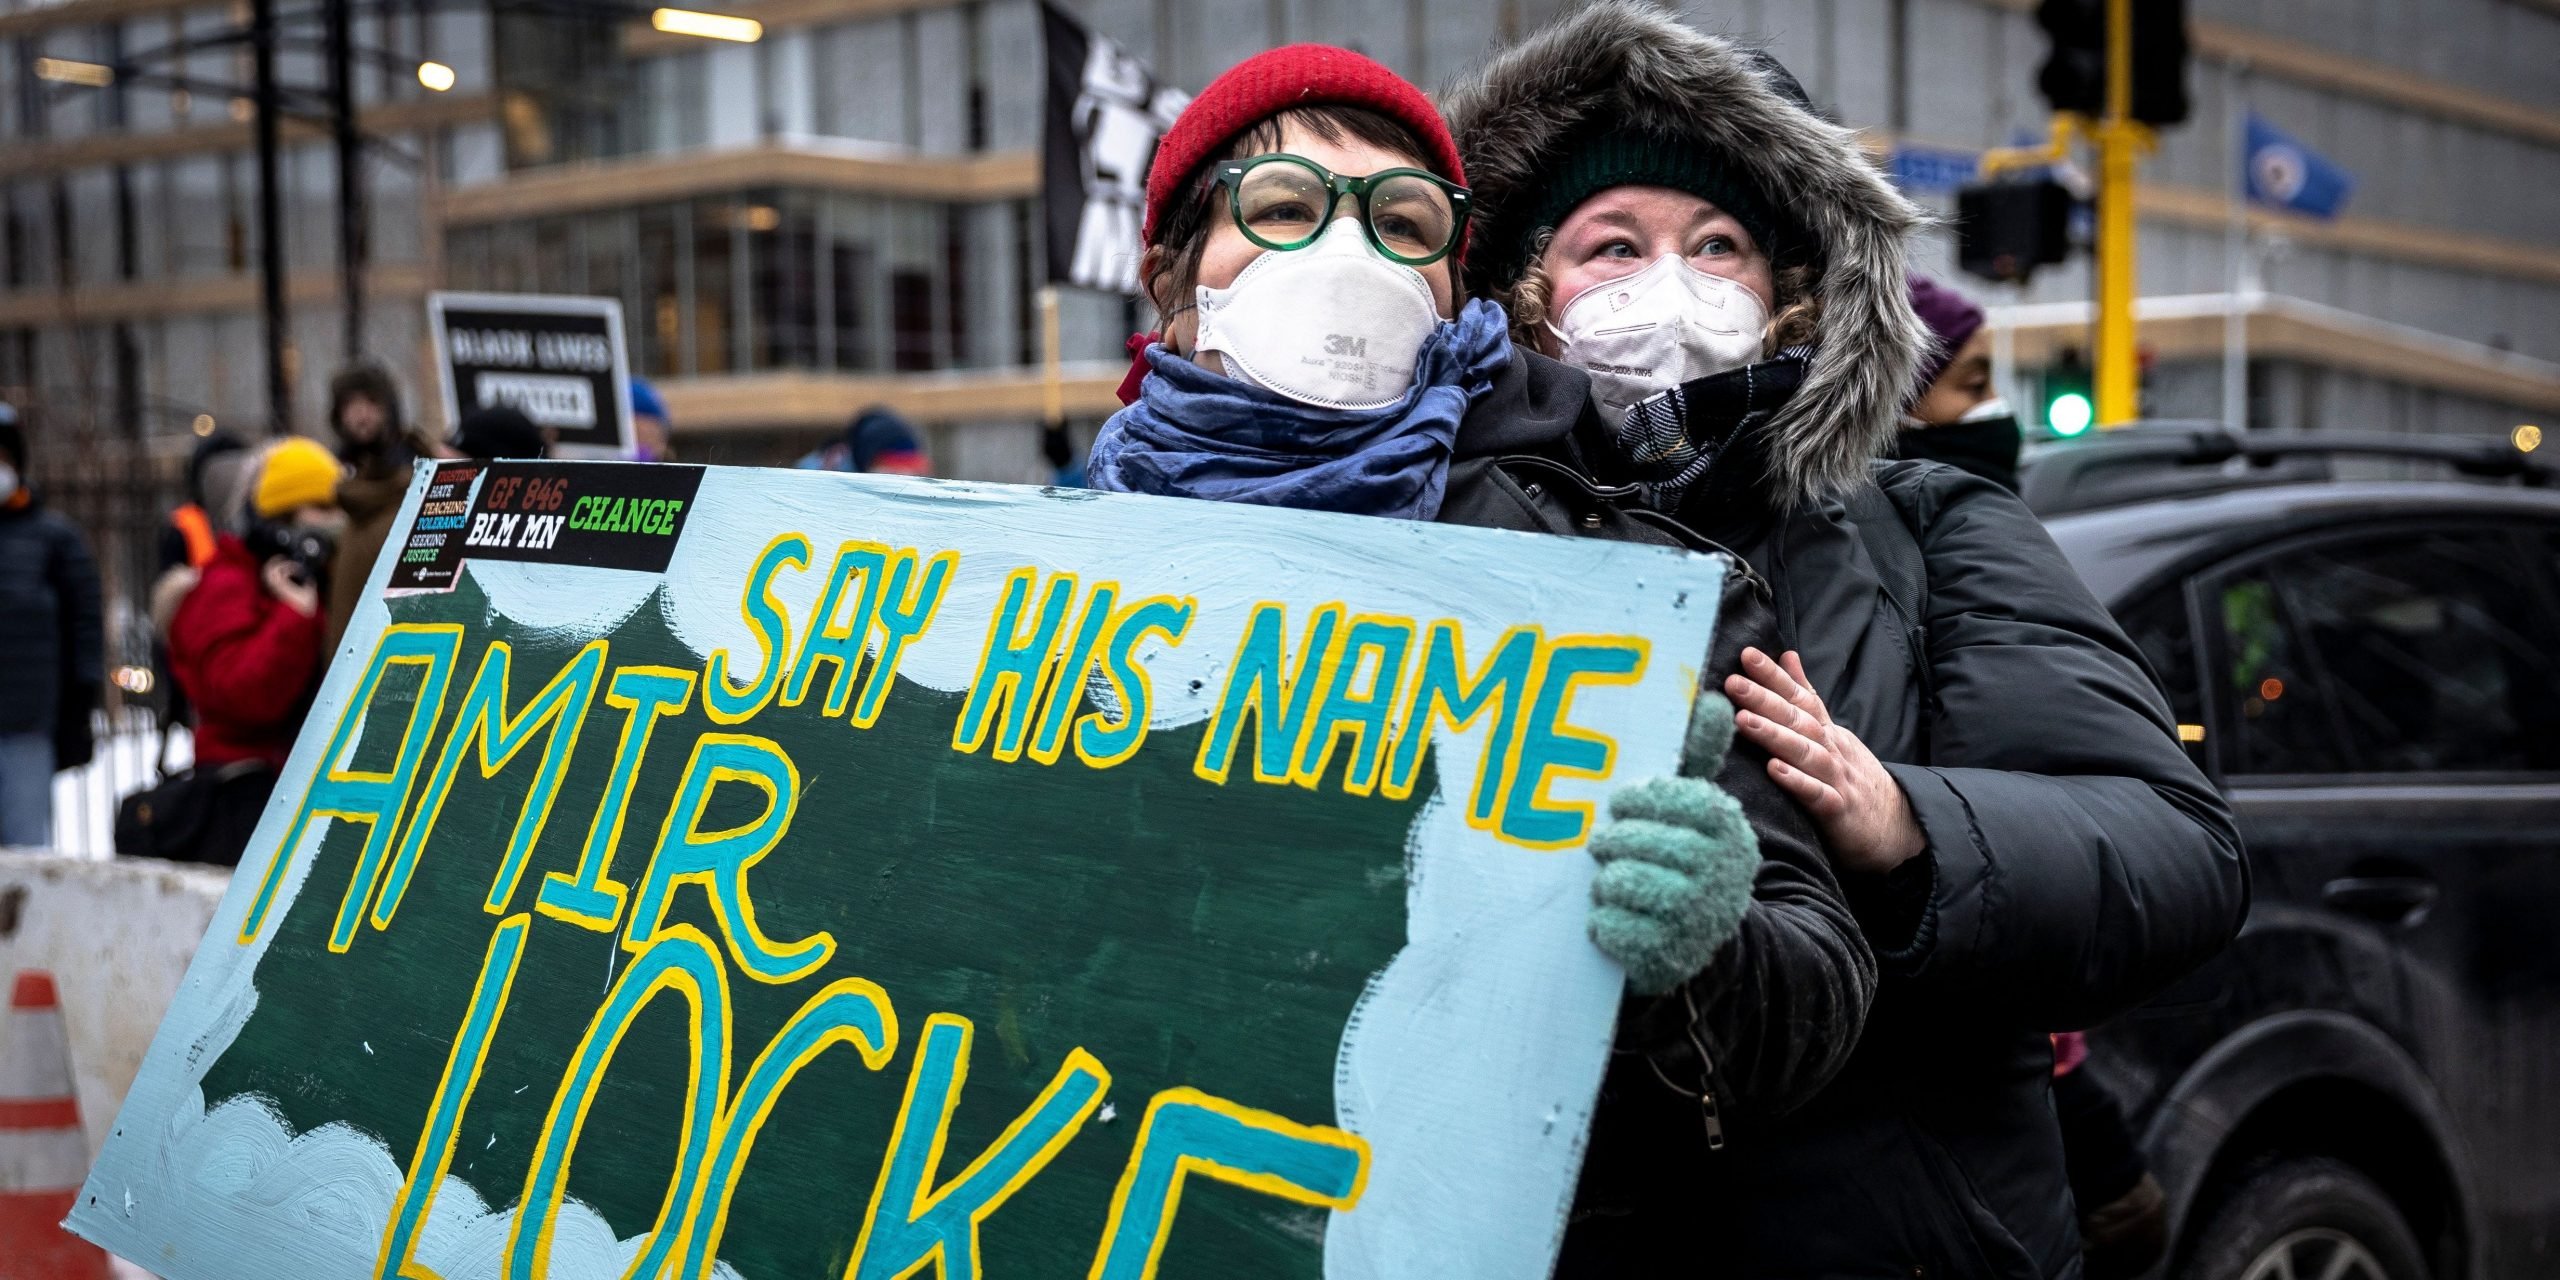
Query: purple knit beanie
[(1951, 316)]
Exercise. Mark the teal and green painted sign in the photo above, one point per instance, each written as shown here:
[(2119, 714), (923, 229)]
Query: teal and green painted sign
[(766, 874)]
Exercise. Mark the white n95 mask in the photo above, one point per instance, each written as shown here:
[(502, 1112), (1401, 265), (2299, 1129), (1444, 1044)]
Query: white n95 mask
[(1665, 325), (1334, 324)]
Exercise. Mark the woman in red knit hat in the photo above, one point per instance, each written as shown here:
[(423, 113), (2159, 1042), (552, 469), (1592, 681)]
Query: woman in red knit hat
[(1304, 219)]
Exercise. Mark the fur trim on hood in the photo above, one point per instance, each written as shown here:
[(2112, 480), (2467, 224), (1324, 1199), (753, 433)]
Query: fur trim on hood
[(1623, 64)]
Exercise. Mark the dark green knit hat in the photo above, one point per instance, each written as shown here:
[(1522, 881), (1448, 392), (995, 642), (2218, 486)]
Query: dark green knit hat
[(1624, 158)]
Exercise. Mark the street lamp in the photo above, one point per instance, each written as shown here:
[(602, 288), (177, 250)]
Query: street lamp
[(435, 75), (93, 75), (710, 26)]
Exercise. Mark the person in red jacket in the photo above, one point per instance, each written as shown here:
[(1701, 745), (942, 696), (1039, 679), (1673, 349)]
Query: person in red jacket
[(247, 643)]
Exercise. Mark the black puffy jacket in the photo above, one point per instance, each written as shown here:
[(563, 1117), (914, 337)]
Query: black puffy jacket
[(51, 626), (2077, 861), (1705, 1074)]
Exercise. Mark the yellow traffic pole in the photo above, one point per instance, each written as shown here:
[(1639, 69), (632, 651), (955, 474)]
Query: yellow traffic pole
[(2119, 139)]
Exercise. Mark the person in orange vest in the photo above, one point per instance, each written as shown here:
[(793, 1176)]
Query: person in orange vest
[(216, 472), (247, 642)]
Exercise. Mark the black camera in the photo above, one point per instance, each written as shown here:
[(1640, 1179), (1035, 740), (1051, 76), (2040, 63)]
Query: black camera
[(308, 548)]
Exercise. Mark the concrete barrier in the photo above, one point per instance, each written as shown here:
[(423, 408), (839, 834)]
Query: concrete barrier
[(117, 936)]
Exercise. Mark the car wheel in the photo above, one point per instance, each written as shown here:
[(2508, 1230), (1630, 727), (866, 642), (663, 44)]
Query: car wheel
[(2309, 1218)]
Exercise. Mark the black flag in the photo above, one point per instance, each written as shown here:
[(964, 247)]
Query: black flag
[(1105, 112)]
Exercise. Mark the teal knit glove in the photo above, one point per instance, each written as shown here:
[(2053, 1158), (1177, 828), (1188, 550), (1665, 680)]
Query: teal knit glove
[(1676, 865)]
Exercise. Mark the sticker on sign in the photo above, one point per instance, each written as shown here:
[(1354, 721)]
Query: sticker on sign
[(549, 399)]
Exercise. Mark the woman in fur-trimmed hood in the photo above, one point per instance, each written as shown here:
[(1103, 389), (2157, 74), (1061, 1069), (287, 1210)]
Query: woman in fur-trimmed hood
[(1995, 776), (1621, 98)]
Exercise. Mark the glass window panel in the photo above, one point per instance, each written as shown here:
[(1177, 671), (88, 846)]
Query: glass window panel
[(2158, 627), (2277, 718), (559, 263), (941, 121), (911, 319), (714, 285), (92, 225), (862, 80), (782, 244), (2435, 660), (854, 283), (956, 309), (657, 330)]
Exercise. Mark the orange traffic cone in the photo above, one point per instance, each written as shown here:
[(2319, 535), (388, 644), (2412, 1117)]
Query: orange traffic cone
[(44, 1156)]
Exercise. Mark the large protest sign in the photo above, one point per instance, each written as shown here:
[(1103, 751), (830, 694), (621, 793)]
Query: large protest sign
[(559, 359), (758, 874)]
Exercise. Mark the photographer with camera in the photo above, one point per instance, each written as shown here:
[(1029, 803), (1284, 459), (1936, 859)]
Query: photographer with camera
[(248, 643)]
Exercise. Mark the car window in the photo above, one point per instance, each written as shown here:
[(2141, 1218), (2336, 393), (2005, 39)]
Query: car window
[(2275, 717), (2157, 625), (2419, 651)]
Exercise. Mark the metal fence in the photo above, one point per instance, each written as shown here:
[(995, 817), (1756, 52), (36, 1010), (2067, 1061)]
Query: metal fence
[(129, 759)]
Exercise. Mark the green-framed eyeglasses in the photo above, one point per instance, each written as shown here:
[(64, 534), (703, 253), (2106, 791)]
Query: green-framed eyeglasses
[(1284, 202)]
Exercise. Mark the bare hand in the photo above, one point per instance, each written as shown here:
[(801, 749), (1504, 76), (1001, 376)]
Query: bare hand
[(1866, 821), (285, 581)]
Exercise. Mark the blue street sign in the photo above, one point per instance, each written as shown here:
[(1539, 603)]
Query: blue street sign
[(1931, 170)]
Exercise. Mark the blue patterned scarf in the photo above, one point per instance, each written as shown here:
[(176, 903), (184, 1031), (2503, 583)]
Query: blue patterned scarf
[(1195, 434)]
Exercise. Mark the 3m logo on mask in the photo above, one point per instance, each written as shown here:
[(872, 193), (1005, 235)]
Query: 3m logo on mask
[(1334, 324)]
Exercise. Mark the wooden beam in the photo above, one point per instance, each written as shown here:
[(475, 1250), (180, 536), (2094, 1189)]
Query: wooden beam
[(2320, 69), (152, 299), (618, 184), (2372, 237), (28, 158), (2191, 328), (787, 401), (639, 39), (72, 13)]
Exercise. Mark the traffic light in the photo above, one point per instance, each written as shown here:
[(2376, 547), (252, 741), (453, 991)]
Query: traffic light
[(2068, 408), (2005, 230), (2160, 61), (2074, 75)]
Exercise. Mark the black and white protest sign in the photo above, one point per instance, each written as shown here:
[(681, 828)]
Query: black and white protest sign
[(1105, 112), (559, 359)]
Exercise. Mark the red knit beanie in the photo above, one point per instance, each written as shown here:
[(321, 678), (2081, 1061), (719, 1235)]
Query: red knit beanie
[(1266, 84)]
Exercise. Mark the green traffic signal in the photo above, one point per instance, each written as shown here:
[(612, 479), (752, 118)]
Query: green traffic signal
[(2069, 414), (2070, 408)]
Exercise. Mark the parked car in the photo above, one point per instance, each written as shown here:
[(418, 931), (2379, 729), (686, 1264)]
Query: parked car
[(2366, 1086)]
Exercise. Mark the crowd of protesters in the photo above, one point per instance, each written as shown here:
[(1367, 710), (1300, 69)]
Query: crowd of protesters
[(1623, 281), (260, 571)]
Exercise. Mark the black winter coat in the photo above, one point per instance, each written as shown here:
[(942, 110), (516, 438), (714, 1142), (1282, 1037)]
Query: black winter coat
[(51, 626), (1704, 1074), (2077, 863)]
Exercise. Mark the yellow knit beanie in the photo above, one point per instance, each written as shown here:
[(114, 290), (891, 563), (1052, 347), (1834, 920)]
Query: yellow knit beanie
[(294, 472)]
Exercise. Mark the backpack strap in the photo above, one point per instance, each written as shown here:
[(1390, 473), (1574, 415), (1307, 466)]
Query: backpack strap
[(1903, 569)]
